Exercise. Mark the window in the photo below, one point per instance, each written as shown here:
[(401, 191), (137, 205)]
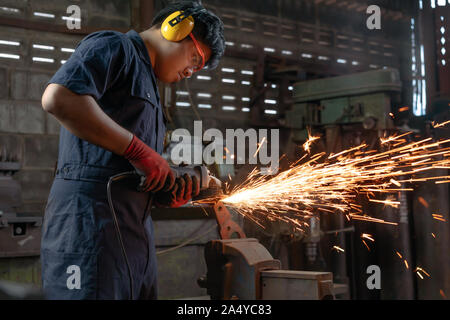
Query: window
[(228, 108), (418, 75)]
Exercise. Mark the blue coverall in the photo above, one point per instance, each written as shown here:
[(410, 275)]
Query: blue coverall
[(80, 251)]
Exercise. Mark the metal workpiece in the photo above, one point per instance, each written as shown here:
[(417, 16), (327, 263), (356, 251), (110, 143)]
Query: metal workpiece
[(227, 227)]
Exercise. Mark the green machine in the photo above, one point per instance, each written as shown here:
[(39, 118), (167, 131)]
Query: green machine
[(344, 110), (366, 98)]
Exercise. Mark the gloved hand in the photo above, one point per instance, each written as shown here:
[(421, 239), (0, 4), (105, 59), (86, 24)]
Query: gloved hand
[(184, 189), (150, 164)]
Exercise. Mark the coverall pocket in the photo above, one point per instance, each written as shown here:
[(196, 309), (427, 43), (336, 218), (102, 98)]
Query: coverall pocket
[(142, 90), (69, 276), (147, 114)]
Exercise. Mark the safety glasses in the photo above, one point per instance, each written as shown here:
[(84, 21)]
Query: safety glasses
[(198, 66)]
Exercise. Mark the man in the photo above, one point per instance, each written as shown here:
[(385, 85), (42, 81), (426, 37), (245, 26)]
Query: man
[(106, 99)]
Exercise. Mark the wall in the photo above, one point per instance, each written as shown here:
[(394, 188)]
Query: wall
[(27, 133)]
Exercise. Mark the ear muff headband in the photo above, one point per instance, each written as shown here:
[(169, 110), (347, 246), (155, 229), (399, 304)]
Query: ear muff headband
[(177, 26)]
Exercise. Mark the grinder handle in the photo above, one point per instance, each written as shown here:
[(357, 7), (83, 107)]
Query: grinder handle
[(200, 172)]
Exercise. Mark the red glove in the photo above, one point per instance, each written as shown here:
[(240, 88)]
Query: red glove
[(184, 189), (150, 164)]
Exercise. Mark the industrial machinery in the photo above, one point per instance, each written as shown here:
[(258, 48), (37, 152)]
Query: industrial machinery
[(346, 111), (365, 98), (241, 268), (20, 236), (333, 108)]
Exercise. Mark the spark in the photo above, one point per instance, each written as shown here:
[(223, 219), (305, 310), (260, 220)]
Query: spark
[(403, 109), (366, 245), (406, 264), (439, 218), (419, 269), (434, 236), (393, 138), (388, 190), (347, 151), (338, 248), (204, 210), (391, 203), (399, 255), (441, 292), (368, 237), (259, 146), (336, 183), (423, 202), (437, 125), (308, 143)]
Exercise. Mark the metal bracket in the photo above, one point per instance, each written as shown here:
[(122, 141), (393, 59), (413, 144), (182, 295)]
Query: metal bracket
[(227, 227)]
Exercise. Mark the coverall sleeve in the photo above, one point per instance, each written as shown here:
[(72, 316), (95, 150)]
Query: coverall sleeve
[(97, 63)]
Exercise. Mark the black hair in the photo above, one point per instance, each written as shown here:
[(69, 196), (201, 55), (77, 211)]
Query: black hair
[(208, 27)]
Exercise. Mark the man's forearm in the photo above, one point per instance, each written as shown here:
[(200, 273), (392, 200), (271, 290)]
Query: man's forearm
[(81, 115)]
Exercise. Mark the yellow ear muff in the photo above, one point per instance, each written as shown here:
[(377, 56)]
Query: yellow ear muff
[(176, 27)]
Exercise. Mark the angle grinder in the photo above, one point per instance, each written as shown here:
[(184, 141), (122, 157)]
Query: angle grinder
[(209, 185)]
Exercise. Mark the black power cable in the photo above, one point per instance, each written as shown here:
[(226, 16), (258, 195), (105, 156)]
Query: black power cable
[(118, 177)]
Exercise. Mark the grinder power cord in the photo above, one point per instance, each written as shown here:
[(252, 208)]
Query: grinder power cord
[(207, 184)]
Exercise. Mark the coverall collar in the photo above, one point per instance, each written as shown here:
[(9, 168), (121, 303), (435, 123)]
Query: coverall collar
[(139, 44)]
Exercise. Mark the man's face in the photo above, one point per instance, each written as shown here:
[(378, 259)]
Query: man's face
[(178, 60)]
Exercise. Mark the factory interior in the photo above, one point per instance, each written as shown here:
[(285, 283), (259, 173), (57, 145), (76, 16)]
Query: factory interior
[(335, 184)]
